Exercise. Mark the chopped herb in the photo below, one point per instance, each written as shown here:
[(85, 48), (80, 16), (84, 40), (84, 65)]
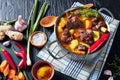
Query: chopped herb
[(87, 12), (115, 65)]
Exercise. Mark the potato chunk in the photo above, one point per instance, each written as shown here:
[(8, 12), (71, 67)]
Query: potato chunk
[(73, 44), (96, 35), (71, 31), (60, 29)]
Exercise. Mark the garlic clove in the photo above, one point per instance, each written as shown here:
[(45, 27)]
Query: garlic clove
[(108, 72), (2, 36), (6, 43), (111, 78)]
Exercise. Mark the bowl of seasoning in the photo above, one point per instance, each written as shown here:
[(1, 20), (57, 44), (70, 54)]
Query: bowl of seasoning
[(42, 70), (38, 39)]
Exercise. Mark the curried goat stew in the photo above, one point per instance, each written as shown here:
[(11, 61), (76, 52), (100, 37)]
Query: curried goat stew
[(80, 29)]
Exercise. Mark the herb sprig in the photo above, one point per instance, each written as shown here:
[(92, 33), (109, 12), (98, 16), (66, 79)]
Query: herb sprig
[(115, 64), (87, 12)]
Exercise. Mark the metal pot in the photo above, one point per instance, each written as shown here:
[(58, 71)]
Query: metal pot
[(72, 55)]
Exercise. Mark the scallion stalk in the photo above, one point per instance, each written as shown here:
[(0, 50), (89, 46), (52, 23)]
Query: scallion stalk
[(26, 77), (41, 14), (28, 54), (9, 22), (28, 22), (35, 27), (34, 14), (46, 8)]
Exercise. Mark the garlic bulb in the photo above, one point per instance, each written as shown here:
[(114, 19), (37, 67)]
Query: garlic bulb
[(20, 24), (108, 72), (111, 78)]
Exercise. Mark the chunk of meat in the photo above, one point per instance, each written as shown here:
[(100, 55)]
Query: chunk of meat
[(82, 47), (82, 33), (66, 32), (94, 23), (66, 39), (87, 36), (94, 28), (66, 36), (89, 31), (73, 22), (101, 23)]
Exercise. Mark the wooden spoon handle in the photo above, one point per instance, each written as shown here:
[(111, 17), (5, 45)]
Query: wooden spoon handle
[(89, 5)]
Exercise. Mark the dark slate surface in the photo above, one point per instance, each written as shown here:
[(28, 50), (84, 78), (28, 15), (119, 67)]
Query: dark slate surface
[(10, 9)]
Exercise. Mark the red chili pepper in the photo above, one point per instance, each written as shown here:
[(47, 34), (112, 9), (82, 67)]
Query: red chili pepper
[(21, 48), (22, 51), (18, 54), (21, 64), (8, 58), (99, 42)]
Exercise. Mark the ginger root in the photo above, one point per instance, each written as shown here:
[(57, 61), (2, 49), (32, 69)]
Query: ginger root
[(2, 36), (14, 35), (5, 27)]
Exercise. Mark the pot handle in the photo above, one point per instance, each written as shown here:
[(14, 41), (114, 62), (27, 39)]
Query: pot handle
[(47, 48), (105, 9)]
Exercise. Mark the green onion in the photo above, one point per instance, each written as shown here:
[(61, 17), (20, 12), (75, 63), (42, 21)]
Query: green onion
[(19, 70), (46, 8), (34, 14), (9, 22), (41, 14), (26, 77), (28, 22), (28, 54), (34, 27)]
